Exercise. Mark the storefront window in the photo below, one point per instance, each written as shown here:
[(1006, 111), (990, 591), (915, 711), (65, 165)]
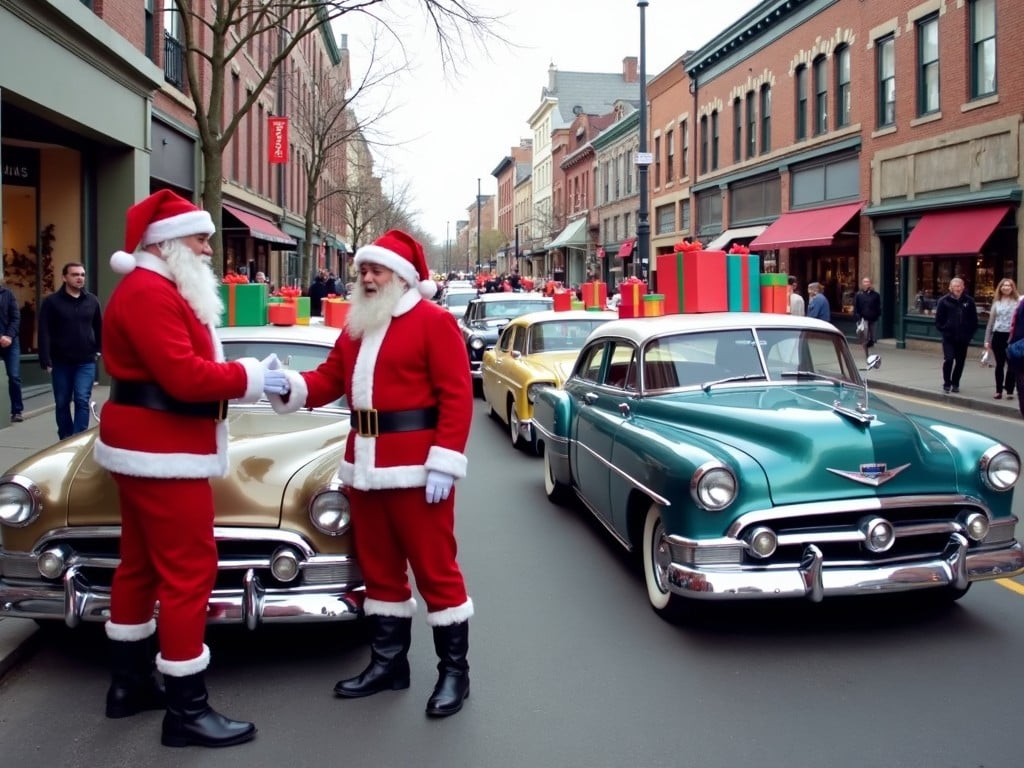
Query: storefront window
[(929, 279), (837, 274)]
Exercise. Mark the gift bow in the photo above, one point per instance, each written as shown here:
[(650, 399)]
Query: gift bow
[(685, 247), (291, 292), (741, 249), (232, 277)]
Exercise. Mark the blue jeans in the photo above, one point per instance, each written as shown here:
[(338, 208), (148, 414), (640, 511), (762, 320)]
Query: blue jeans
[(72, 381), (12, 362)]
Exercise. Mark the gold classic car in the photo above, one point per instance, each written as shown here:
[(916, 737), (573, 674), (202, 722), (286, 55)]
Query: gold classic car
[(533, 351), (281, 526)]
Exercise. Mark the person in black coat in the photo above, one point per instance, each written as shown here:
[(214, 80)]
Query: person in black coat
[(317, 293), (867, 306), (10, 349), (956, 318), (1017, 366)]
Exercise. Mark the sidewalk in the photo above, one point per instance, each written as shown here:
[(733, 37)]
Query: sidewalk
[(904, 371)]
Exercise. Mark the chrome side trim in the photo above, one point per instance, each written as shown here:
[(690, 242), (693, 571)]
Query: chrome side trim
[(625, 475)]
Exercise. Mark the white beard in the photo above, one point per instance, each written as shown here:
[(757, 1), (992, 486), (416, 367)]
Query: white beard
[(371, 312), (196, 281)]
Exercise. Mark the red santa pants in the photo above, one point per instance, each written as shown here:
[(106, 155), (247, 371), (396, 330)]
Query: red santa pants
[(396, 526), (168, 553)]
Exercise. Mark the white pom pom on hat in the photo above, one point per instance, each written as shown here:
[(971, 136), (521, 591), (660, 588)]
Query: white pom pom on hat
[(402, 253), (164, 215)]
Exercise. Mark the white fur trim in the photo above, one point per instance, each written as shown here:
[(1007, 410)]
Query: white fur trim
[(184, 668), (253, 380), (362, 373), (427, 288), (130, 632), (147, 260), (403, 610), (400, 265), (122, 262), (218, 348), (448, 461), (409, 300), (168, 466), (366, 477), (449, 616), (184, 224), (296, 398)]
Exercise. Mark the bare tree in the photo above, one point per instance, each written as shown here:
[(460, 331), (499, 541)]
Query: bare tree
[(370, 211), (216, 32)]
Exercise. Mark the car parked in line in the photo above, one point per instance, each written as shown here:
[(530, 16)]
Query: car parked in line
[(486, 315), (743, 457), (455, 300), (282, 522), (533, 351)]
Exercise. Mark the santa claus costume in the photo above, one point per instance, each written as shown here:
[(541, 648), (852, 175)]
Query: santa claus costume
[(162, 436), (412, 405)]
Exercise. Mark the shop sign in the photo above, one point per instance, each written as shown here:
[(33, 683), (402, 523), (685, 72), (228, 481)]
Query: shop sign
[(20, 166)]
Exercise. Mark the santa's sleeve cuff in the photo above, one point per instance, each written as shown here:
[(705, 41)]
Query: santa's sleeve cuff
[(448, 461), (253, 380), (295, 399)]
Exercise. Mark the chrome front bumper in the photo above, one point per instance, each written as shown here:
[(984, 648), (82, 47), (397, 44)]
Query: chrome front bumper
[(74, 601), (956, 567)]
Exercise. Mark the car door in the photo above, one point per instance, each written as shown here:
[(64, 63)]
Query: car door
[(600, 389), (492, 372)]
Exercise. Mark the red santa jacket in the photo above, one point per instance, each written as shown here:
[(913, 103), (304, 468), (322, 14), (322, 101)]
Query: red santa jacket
[(152, 334), (416, 361)]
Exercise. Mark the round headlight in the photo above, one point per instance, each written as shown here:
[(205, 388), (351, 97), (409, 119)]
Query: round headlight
[(762, 542), (51, 562), (18, 504), (476, 342), (1000, 468), (879, 535), (713, 486), (284, 564), (329, 512), (533, 391), (976, 525)]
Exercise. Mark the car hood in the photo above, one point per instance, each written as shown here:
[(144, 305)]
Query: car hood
[(555, 365), (808, 448), (271, 457)]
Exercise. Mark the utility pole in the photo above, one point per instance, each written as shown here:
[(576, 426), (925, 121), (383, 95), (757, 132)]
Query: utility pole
[(643, 160), (478, 203)]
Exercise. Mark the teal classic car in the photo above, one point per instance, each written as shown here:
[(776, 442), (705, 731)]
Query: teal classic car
[(742, 456)]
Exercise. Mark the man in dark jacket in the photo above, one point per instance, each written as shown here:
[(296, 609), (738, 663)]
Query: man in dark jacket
[(70, 329), (317, 292), (10, 349), (867, 306), (956, 318)]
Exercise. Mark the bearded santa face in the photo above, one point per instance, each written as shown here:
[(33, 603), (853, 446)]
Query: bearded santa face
[(374, 299), (188, 260)]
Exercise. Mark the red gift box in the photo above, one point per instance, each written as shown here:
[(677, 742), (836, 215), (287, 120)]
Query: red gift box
[(775, 293), (335, 312), (281, 314), (595, 294), (693, 280), (631, 297), (563, 300)]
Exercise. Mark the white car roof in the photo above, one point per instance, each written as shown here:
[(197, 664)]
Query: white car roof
[(316, 333), (642, 328)]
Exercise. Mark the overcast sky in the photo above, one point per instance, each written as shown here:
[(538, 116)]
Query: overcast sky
[(451, 129)]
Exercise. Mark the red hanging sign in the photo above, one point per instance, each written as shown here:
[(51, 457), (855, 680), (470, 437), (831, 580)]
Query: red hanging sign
[(277, 149)]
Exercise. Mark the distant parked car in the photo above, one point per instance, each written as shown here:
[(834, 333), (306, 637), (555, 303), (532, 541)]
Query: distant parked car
[(743, 457), (282, 522), (455, 300), (486, 315), (533, 351)]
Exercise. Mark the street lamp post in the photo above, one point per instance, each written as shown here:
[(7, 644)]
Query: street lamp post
[(643, 226), (516, 251), (478, 203)]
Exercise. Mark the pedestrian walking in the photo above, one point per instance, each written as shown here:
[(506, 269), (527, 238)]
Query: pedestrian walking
[(70, 334), (997, 333), (162, 437), (867, 307), (10, 349), (796, 301), (317, 292), (956, 318), (818, 305), (411, 413)]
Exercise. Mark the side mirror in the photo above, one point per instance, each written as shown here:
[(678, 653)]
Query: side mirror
[(874, 362)]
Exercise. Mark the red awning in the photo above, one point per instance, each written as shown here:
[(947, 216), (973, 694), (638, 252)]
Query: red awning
[(953, 233), (806, 229), (258, 227), (626, 249)]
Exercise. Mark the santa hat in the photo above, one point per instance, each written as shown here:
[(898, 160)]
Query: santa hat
[(401, 253), (163, 215)]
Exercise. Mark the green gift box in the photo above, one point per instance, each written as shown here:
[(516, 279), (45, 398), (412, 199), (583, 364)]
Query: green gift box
[(245, 304), (302, 310)]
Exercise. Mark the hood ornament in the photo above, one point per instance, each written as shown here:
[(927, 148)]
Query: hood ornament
[(870, 474)]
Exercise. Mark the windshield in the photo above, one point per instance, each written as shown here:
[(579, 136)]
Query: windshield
[(790, 354), (293, 356), (560, 336), (458, 299), (514, 308)]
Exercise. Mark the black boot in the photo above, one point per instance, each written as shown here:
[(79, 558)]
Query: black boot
[(389, 664), (452, 645), (134, 686), (191, 720)]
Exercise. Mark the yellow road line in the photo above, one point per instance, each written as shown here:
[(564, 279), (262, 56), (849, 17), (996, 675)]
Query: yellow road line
[(1013, 586)]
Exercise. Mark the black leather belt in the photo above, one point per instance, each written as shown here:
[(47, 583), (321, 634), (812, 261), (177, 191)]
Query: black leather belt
[(148, 394), (371, 422)]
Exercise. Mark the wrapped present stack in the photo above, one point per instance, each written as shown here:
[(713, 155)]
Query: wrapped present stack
[(774, 297), (744, 279), (631, 296), (245, 303), (335, 312), (562, 299), (595, 294), (280, 312), (574, 304), (692, 279), (654, 305)]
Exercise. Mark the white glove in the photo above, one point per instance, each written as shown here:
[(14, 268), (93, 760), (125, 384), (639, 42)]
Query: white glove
[(439, 486), (270, 362), (275, 383)]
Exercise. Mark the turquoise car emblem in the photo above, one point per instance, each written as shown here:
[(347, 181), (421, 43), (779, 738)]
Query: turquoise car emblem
[(870, 474)]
